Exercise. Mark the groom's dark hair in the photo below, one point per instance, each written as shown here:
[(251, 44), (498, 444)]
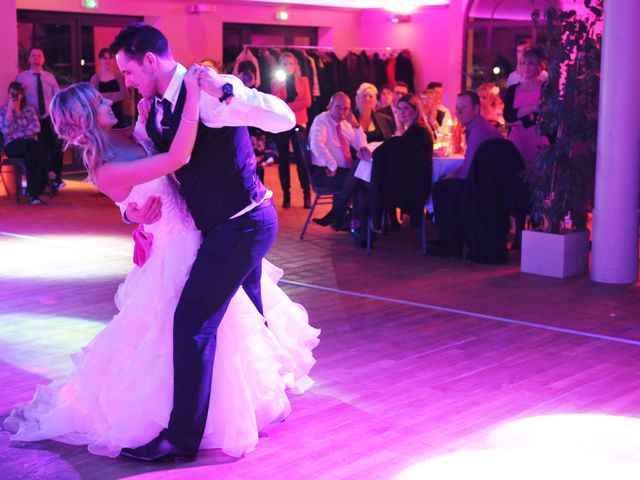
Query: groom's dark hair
[(136, 39)]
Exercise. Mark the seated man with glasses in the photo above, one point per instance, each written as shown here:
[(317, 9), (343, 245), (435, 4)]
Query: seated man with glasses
[(447, 192)]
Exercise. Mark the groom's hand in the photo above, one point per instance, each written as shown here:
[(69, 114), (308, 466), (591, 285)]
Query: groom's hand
[(150, 212)]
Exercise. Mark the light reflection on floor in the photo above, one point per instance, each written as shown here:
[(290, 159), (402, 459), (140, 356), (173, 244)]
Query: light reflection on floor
[(49, 257), (549, 447), (42, 344)]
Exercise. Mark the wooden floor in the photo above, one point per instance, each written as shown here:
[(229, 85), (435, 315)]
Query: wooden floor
[(427, 368)]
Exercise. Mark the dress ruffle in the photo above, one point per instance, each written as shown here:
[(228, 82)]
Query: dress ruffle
[(119, 393)]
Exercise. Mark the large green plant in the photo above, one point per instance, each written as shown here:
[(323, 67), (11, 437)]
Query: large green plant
[(564, 177)]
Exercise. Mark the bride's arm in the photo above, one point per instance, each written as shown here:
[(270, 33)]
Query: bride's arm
[(118, 175)]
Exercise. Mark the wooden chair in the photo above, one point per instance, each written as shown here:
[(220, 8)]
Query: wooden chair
[(20, 169)]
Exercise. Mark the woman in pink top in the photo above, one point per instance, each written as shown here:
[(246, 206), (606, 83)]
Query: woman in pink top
[(293, 89), (521, 108)]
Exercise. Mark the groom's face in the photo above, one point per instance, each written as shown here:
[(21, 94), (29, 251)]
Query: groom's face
[(141, 76)]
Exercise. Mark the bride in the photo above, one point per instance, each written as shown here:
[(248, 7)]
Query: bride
[(119, 392)]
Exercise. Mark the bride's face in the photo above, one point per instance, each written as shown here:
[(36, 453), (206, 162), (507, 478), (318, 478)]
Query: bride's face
[(105, 117)]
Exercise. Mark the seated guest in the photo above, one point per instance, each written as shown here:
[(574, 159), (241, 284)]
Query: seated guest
[(399, 89), (20, 127), (438, 114), (264, 149), (331, 134), (385, 97), (447, 193), (413, 125), (376, 125), (491, 106), (405, 178), (391, 156)]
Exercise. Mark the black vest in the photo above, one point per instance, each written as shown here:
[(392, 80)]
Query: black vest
[(220, 179)]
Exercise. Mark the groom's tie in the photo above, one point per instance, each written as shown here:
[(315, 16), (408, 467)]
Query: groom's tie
[(165, 122)]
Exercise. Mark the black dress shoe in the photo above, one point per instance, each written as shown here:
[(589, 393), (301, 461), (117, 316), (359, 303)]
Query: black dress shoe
[(158, 450), (325, 221)]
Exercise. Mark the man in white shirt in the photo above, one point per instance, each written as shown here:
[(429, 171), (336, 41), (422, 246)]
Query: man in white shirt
[(39, 88), (330, 136)]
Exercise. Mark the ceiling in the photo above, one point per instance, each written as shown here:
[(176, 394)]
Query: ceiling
[(399, 6)]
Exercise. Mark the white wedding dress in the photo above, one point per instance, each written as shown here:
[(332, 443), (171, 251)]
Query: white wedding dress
[(119, 393)]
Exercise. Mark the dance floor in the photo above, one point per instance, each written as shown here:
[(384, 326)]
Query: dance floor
[(427, 368)]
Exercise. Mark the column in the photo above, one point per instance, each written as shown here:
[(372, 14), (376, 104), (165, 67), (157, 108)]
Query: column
[(614, 253)]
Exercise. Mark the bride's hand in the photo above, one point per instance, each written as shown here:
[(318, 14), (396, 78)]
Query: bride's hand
[(211, 82), (144, 107), (190, 112), (192, 78)]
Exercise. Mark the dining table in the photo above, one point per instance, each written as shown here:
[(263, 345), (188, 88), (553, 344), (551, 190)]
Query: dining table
[(442, 166)]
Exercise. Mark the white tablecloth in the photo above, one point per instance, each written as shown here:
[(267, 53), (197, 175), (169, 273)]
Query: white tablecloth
[(443, 166)]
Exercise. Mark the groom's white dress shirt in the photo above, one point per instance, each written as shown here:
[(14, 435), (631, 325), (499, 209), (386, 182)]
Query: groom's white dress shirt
[(248, 107)]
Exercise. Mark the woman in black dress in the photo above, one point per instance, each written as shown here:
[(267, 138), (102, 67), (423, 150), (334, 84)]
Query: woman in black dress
[(110, 83)]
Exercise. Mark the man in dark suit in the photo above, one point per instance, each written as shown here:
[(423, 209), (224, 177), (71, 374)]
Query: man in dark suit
[(228, 202), (447, 192)]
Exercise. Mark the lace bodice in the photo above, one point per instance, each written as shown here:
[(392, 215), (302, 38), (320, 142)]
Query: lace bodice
[(175, 219)]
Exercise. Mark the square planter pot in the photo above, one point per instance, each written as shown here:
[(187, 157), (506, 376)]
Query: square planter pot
[(557, 255)]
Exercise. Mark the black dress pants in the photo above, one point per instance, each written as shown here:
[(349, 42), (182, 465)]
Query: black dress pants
[(36, 159), (48, 137), (230, 257), (282, 143)]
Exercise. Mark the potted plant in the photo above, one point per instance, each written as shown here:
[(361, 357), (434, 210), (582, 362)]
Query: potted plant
[(565, 168)]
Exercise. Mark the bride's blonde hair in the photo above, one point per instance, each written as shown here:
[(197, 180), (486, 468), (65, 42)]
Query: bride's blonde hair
[(74, 112)]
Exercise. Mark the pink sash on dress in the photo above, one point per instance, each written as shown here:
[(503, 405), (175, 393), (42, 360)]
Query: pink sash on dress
[(142, 245)]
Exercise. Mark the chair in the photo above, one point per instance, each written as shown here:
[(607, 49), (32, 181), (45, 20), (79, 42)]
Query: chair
[(20, 169), (494, 191), (322, 195), (399, 178)]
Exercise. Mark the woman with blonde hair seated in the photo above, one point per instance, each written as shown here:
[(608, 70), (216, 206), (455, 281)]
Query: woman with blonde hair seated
[(376, 125)]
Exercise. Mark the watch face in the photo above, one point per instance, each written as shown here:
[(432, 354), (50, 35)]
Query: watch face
[(227, 89)]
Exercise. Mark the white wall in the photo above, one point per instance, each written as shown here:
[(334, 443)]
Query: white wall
[(197, 36), (435, 34)]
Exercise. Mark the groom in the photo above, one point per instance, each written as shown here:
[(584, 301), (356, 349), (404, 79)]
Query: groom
[(228, 202)]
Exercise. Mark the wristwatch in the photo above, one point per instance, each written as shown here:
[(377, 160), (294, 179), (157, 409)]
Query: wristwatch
[(227, 92)]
